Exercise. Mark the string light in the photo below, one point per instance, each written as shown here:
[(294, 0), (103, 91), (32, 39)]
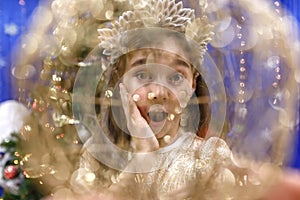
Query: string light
[(242, 61)]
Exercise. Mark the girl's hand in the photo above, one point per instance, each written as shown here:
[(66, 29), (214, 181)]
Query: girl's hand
[(287, 187), (143, 138)]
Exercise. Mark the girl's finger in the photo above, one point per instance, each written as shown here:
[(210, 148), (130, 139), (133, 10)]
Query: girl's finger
[(125, 100)]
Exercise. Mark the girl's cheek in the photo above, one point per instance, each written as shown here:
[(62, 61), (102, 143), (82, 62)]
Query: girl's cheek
[(130, 86)]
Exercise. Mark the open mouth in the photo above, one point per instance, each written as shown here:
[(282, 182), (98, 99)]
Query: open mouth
[(157, 116), (157, 113)]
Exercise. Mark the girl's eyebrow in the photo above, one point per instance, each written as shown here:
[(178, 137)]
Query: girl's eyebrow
[(181, 62), (139, 57), (138, 62)]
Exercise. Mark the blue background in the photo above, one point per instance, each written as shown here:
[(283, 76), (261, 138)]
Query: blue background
[(14, 15)]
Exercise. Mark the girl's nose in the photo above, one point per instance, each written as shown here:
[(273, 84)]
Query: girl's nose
[(157, 92)]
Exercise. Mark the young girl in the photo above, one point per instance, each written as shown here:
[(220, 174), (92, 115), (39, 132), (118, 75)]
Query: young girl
[(157, 114), (157, 122)]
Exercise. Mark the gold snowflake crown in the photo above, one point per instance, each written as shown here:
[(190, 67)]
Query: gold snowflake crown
[(166, 14)]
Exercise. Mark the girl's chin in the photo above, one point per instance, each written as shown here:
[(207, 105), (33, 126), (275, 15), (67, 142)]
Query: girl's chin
[(157, 126)]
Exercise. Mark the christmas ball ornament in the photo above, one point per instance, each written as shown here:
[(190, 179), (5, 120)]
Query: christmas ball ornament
[(11, 171)]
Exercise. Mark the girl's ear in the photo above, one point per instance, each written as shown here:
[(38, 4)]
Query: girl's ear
[(196, 75)]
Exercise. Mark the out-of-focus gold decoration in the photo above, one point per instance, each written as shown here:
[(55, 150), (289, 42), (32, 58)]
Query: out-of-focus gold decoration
[(59, 37)]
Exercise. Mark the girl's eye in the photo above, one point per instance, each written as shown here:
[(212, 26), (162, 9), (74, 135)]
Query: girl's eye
[(143, 76), (176, 78)]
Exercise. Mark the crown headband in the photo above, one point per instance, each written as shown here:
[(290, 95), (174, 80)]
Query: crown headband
[(166, 14)]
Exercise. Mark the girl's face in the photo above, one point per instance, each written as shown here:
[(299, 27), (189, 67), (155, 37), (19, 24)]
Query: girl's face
[(161, 83)]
